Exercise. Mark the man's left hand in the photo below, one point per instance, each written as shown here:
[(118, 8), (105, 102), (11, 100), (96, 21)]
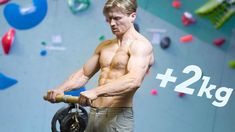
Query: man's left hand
[(86, 98)]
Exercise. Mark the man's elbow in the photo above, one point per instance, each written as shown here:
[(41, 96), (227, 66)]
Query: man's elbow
[(136, 82)]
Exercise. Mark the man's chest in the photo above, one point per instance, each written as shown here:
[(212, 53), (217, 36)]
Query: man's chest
[(114, 57)]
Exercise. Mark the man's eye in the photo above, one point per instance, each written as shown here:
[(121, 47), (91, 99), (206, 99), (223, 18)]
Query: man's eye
[(117, 18), (107, 20)]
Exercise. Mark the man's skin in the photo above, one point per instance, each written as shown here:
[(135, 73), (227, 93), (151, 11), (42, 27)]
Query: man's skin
[(123, 63)]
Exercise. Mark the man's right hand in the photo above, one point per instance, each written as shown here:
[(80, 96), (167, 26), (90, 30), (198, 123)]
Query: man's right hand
[(51, 94)]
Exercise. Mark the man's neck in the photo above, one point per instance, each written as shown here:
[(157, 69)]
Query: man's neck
[(128, 36)]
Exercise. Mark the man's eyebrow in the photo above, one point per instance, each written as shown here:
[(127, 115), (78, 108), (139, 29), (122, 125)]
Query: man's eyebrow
[(116, 16)]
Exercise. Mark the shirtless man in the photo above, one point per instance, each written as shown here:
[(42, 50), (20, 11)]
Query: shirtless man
[(123, 63)]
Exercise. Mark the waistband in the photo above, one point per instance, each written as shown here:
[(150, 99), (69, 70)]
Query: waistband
[(110, 109)]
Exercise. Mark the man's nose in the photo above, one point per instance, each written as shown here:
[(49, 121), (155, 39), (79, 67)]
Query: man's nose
[(112, 22)]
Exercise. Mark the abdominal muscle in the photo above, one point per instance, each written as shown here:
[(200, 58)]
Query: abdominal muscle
[(124, 100)]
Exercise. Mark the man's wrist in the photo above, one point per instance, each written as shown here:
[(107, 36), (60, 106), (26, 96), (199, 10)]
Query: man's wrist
[(62, 89), (96, 92)]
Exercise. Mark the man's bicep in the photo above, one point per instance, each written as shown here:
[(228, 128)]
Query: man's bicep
[(91, 66), (138, 65), (139, 60)]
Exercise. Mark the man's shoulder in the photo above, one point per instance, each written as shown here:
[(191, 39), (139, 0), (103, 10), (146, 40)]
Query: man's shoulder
[(106, 42), (141, 43), (103, 44)]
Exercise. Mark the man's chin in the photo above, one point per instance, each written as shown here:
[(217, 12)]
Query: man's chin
[(117, 33)]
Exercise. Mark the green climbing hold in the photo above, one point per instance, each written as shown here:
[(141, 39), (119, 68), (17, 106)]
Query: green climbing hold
[(78, 5), (232, 64), (43, 43), (217, 11), (208, 7), (102, 38)]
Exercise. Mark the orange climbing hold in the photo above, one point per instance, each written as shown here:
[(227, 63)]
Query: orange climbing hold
[(186, 38)]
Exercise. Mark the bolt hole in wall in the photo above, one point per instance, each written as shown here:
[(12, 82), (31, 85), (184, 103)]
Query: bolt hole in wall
[(190, 87)]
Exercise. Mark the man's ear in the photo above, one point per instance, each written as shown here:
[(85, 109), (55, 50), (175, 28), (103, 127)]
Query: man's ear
[(133, 16)]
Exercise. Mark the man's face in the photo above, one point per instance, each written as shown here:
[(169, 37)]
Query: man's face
[(119, 21)]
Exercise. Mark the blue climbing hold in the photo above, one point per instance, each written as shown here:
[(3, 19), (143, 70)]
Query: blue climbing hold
[(6, 82), (27, 17), (75, 92), (43, 53)]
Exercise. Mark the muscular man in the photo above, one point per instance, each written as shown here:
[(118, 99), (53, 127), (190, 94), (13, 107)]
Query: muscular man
[(123, 63)]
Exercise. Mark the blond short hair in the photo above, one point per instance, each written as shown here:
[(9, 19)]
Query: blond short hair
[(126, 6)]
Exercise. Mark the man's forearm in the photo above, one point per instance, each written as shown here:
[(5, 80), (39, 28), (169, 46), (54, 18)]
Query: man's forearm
[(120, 86), (75, 81)]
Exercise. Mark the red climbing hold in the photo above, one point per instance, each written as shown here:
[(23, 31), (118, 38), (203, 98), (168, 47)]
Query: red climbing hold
[(7, 40), (154, 92), (187, 19), (176, 4), (181, 94), (219, 41), (3, 1)]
